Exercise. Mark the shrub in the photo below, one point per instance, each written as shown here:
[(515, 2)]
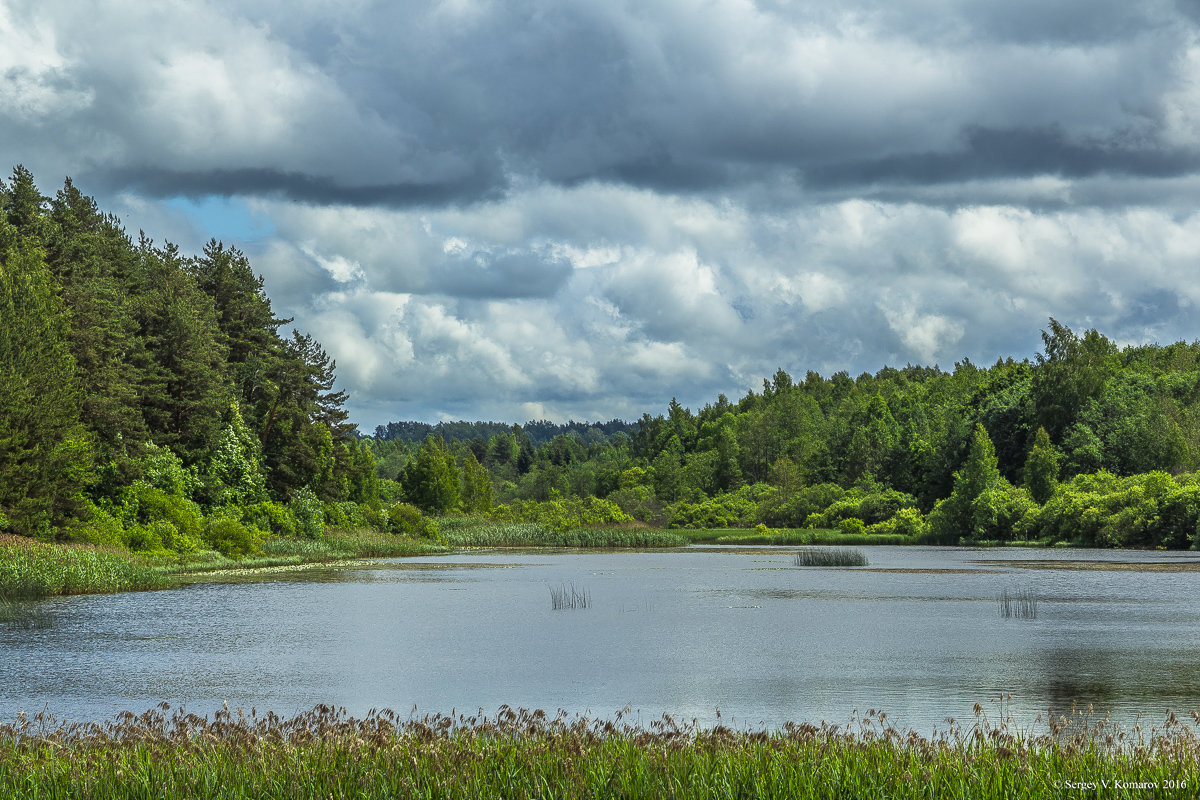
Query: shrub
[(231, 537), (270, 517), (407, 519), (154, 504)]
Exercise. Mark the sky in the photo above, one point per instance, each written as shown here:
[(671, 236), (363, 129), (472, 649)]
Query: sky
[(527, 209)]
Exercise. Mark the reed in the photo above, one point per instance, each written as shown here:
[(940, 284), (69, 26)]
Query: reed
[(830, 557), (31, 569), (1021, 605), (490, 533), (566, 596), (520, 753)]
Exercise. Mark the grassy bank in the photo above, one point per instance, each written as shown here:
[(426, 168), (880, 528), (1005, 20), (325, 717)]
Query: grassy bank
[(30, 569), (527, 754), (482, 532)]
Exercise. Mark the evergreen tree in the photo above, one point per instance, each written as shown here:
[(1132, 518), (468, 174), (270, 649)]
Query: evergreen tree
[(1041, 468), (45, 455)]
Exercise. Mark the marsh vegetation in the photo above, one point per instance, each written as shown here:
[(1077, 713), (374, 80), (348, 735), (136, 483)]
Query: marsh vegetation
[(830, 557), (1021, 604), (518, 753)]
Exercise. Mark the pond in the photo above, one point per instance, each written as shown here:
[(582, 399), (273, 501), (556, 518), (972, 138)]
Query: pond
[(702, 631)]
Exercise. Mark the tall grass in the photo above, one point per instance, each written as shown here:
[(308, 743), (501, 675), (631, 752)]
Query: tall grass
[(789, 537), (491, 533), (830, 557), (526, 754), (566, 596), (30, 569), (1021, 605)]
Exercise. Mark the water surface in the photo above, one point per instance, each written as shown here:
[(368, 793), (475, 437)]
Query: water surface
[(691, 633)]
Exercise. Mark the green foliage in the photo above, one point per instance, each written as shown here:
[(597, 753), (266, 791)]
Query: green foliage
[(234, 475), (45, 452), (308, 512), (737, 509), (407, 519), (431, 480), (1041, 468), (231, 537), (276, 519), (563, 514), (150, 505), (476, 486), (907, 522)]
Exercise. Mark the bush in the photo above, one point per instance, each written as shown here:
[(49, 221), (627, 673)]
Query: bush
[(562, 513), (99, 528), (154, 504), (905, 522), (270, 517), (231, 537), (407, 519)]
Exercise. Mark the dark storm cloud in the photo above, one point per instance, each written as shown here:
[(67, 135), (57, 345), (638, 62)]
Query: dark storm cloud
[(1012, 153), (303, 188)]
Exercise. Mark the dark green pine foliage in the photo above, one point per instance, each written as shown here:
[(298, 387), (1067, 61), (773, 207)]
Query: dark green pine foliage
[(306, 438), (45, 455), (95, 262), (184, 391), (249, 328)]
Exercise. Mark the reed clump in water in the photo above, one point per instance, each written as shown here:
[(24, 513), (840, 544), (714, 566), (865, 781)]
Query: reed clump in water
[(520, 753), (1020, 605), (830, 557), (566, 596)]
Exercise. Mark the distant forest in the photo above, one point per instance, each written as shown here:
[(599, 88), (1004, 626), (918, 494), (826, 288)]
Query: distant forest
[(153, 400), (538, 431)]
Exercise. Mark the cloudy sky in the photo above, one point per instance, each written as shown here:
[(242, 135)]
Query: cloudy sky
[(580, 208)]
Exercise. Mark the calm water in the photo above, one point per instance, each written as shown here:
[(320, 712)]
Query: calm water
[(918, 633)]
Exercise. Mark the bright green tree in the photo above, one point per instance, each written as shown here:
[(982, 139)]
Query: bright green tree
[(1041, 468), (431, 480)]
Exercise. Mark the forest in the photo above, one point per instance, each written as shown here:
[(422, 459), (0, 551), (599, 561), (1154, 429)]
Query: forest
[(151, 400)]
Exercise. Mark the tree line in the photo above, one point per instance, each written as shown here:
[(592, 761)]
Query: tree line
[(1088, 443), (152, 400)]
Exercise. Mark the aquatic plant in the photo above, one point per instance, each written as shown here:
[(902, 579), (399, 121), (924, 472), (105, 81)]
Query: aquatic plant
[(1022, 604), (566, 596), (830, 557)]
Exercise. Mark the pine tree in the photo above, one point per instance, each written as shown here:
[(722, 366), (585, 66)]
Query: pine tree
[(45, 456)]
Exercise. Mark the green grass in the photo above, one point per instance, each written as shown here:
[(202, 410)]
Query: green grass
[(30, 569), (523, 754), (479, 532)]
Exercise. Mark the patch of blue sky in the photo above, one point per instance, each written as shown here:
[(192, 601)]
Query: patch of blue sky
[(226, 219)]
